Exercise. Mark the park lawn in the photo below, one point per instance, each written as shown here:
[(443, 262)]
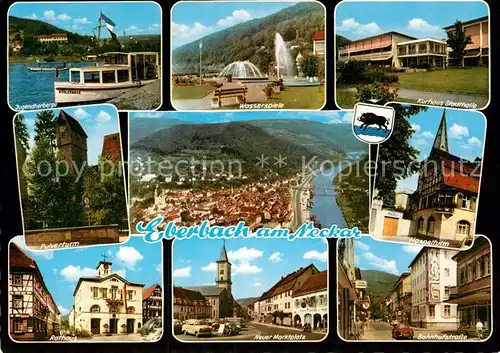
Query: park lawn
[(472, 80), (301, 97), (345, 99), (191, 92)]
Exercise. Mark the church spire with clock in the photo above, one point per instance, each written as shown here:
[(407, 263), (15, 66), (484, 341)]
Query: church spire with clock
[(223, 277), (104, 267)]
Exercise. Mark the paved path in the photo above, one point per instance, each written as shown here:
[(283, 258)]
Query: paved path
[(479, 100)]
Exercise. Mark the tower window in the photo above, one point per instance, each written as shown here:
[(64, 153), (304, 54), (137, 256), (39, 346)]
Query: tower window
[(221, 272)]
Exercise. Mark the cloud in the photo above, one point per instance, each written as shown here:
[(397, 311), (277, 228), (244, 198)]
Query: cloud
[(416, 128), (256, 284), (81, 113), (275, 257), (427, 135), (149, 115), (412, 249), (33, 16), (81, 21), (134, 28), (63, 310), (420, 25), (362, 246), (64, 17), (351, 25), (73, 273), (245, 268), (420, 142), (122, 273), (212, 266), (245, 254), (347, 118), (236, 17), (474, 141), (182, 272), (154, 27), (103, 117), (159, 268), (183, 33), (316, 255), (49, 15), (383, 264), (458, 131), (129, 256)]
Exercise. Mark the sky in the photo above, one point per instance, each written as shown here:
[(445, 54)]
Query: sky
[(326, 117), (466, 133), (257, 264), (370, 254), (420, 19), (97, 121), (194, 20), (134, 18), (135, 260)]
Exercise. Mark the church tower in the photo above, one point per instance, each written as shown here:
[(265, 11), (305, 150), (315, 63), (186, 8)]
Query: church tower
[(223, 279), (104, 268), (441, 140)]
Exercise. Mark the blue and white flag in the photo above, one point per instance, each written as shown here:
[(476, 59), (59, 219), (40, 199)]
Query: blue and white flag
[(109, 24)]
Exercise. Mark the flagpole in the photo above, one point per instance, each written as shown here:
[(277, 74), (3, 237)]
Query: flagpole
[(99, 30), (200, 62)]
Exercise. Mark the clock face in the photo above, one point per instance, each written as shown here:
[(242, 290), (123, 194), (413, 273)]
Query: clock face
[(106, 266)]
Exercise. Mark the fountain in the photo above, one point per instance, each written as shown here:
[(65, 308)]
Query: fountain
[(283, 57), (242, 70)]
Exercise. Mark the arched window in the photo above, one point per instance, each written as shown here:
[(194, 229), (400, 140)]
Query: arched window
[(130, 310), (463, 228), (420, 225), (95, 309), (430, 225)]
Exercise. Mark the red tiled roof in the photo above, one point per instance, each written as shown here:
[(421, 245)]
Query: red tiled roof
[(51, 35), (112, 147), (460, 181), (280, 286), (18, 258), (318, 35), (189, 297), (316, 282), (146, 293)]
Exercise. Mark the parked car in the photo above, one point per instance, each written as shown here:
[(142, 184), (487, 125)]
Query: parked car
[(151, 325), (231, 329), (196, 328), (402, 331), (177, 327)]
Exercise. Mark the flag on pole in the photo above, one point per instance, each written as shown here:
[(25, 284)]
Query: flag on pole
[(108, 22)]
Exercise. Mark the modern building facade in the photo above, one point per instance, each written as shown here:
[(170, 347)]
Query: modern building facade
[(152, 302), (33, 313), (476, 53), (381, 49), (400, 304), (310, 302), (472, 294), (426, 51), (107, 303), (54, 37), (433, 274)]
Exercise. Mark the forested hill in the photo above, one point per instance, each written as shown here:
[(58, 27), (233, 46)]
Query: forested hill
[(253, 40), (27, 28)]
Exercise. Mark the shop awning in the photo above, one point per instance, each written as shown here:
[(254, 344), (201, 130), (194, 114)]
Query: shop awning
[(472, 56), (483, 296)]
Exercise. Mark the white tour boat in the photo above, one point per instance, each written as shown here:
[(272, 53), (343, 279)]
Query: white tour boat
[(111, 76)]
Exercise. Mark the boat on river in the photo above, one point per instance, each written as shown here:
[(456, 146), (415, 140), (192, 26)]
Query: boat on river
[(112, 75), (48, 66)]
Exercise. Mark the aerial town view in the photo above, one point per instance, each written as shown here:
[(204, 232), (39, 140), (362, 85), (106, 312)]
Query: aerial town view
[(395, 291), (71, 179), (63, 54), (244, 55), (433, 53), (434, 200), (250, 290), (104, 293), (269, 170)]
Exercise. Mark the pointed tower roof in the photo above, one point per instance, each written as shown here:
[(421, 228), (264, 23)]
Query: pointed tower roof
[(223, 253), (441, 140)]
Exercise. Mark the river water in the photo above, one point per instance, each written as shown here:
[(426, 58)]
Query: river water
[(33, 87), (325, 207)]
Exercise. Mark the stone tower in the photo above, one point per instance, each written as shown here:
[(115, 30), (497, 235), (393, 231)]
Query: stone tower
[(223, 279), (71, 141)]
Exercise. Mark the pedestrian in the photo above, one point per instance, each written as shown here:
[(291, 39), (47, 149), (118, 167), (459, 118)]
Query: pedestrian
[(479, 329)]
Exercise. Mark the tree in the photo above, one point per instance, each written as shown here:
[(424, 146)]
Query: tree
[(457, 41), (104, 188), (396, 157), (22, 132), (45, 127)]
